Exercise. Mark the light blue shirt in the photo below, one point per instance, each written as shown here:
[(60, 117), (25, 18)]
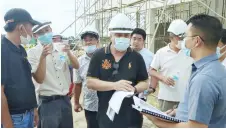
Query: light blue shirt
[(205, 96), (147, 56)]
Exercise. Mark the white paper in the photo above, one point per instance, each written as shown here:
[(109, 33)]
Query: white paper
[(110, 114), (116, 102), (117, 98), (139, 103)]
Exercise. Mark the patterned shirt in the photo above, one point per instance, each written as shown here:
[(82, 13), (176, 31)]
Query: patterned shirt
[(90, 99)]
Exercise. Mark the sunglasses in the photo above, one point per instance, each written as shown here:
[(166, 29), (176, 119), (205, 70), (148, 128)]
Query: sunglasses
[(115, 67)]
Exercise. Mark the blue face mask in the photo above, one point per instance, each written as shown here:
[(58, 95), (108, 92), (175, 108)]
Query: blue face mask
[(218, 51), (121, 44), (90, 49), (46, 38), (186, 51)]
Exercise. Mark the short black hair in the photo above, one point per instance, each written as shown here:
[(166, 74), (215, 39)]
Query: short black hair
[(223, 36), (209, 26), (139, 31)]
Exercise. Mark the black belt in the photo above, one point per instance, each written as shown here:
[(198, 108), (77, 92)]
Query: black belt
[(20, 111), (47, 99)]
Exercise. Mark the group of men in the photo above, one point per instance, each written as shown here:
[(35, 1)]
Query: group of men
[(188, 70)]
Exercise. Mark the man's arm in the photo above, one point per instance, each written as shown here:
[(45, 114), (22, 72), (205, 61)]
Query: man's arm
[(155, 77), (77, 92), (73, 60), (96, 84), (141, 86), (39, 65), (40, 73), (163, 124), (5, 117)]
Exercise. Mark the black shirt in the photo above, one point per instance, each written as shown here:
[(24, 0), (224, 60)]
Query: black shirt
[(132, 68), (16, 78)]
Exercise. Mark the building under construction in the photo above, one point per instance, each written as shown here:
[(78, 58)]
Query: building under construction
[(154, 16)]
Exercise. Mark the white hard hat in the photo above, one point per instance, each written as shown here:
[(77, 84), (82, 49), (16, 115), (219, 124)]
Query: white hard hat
[(120, 24), (40, 26), (177, 27), (90, 30)]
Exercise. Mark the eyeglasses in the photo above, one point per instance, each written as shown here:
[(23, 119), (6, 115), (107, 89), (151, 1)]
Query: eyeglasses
[(115, 67), (195, 36)]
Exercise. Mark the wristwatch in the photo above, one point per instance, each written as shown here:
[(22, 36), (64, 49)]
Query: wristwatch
[(153, 89), (135, 90)]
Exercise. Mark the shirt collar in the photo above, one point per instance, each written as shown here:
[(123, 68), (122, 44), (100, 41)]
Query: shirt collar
[(205, 60), (169, 49), (13, 46), (142, 50), (87, 57), (108, 49)]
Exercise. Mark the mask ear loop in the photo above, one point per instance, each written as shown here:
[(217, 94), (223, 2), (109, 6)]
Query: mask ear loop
[(22, 26), (223, 47)]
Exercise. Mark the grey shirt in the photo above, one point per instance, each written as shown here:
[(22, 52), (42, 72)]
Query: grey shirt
[(90, 99), (205, 96)]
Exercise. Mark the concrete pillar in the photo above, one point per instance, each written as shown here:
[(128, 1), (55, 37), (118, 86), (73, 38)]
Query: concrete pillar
[(150, 28)]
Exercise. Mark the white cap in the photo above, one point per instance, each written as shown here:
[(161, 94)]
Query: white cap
[(36, 28), (120, 24), (56, 34), (177, 27), (89, 30)]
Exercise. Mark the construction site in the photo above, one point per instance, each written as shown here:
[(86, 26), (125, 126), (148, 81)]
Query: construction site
[(154, 16)]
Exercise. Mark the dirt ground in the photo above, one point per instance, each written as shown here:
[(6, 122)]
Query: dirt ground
[(80, 121)]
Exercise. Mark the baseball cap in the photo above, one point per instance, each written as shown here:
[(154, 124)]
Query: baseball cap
[(18, 15)]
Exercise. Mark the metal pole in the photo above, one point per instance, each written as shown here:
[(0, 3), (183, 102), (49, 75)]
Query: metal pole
[(153, 38), (75, 16)]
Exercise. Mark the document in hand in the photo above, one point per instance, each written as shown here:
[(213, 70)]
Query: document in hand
[(144, 107)]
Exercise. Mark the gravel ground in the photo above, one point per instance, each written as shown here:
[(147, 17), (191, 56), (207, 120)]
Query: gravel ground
[(80, 121)]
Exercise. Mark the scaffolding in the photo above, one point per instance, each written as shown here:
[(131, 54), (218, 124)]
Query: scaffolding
[(145, 14)]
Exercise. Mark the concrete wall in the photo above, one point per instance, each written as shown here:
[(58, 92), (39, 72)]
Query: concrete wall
[(181, 11)]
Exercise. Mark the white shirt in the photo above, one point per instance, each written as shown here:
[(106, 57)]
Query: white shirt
[(148, 57), (90, 99), (224, 62), (169, 63), (56, 82), (36, 89)]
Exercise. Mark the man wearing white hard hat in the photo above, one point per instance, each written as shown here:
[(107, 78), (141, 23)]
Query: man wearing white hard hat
[(171, 68), (116, 68), (50, 69), (90, 39)]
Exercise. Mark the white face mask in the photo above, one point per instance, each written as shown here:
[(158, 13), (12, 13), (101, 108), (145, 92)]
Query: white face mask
[(179, 44), (26, 40)]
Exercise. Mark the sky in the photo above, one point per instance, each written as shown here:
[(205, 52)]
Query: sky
[(61, 13)]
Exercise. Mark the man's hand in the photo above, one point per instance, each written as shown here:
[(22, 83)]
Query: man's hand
[(123, 85), (46, 51), (171, 112), (150, 117), (66, 48), (168, 81), (77, 107), (36, 117)]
